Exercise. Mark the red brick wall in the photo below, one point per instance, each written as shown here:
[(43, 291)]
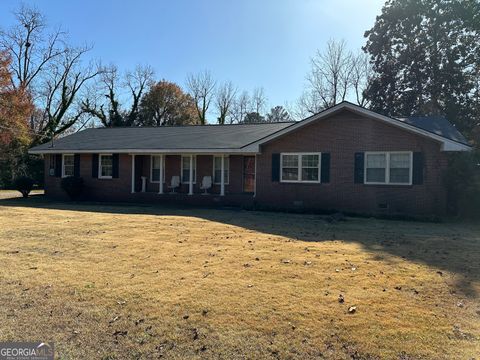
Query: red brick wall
[(341, 136), (115, 189), (120, 188)]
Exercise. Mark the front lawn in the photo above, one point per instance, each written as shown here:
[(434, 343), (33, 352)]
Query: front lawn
[(120, 282)]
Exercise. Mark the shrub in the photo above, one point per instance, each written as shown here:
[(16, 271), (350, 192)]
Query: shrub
[(73, 186), (463, 181), (24, 184)]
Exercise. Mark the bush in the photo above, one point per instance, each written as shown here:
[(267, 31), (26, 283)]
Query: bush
[(24, 184), (463, 181), (73, 186)]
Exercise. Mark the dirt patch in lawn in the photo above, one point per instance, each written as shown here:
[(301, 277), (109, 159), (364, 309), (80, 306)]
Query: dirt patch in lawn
[(115, 282)]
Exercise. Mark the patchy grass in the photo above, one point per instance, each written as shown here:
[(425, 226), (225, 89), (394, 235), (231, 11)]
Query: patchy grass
[(117, 282)]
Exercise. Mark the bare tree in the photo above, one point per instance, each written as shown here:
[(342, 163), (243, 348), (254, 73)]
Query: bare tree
[(104, 100), (258, 101), (240, 108), (49, 69), (62, 84), (335, 75), (137, 82), (224, 101), (201, 87), (361, 77), (31, 48)]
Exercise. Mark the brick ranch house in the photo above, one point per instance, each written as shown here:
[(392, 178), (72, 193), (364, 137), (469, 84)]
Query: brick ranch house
[(345, 158)]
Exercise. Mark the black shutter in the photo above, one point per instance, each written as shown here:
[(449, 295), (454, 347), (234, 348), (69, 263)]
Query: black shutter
[(325, 171), (58, 165), (417, 168), (115, 166), (76, 165), (94, 165), (275, 167), (359, 167)]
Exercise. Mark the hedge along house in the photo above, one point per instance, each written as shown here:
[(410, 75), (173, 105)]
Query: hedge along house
[(345, 158)]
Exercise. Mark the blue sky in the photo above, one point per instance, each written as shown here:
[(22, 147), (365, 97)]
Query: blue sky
[(253, 43)]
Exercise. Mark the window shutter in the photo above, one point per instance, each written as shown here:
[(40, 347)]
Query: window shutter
[(94, 165), (417, 168), (275, 167), (76, 165), (58, 165), (325, 171), (115, 159), (359, 167)]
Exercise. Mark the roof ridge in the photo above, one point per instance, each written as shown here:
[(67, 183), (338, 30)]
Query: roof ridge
[(191, 125)]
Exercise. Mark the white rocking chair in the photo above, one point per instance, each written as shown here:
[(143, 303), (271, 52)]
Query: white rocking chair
[(174, 183), (206, 184)]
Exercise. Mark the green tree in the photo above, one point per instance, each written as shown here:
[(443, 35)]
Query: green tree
[(166, 104), (253, 118), (278, 114), (426, 60)]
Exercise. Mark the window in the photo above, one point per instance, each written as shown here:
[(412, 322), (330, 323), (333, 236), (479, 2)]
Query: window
[(105, 164), (68, 165), (155, 161), (393, 168), (300, 167), (186, 169), (217, 169), (376, 168)]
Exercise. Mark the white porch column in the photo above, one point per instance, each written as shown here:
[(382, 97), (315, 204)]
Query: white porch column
[(133, 173), (160, 186), (222, 176), (255, 182), (190, 182)]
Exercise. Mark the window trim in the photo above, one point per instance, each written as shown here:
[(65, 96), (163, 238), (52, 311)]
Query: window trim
[(151, 169), (300, 154), (194, 170), (387, 168), (228, 169), (63, 165), (100, 166)]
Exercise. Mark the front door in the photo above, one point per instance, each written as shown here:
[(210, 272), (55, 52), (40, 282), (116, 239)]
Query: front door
[(249, 174)]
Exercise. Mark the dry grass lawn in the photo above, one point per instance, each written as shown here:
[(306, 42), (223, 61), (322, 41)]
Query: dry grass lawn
[(122, 282)]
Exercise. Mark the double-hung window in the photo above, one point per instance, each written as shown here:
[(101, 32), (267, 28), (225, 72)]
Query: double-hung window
[(68, 165), (217, 169), (394, 168), (155, 163), (105, 166), (186, 169), (300, 167)]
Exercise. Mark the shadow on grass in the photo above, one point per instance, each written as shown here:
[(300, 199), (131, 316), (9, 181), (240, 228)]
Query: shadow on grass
[(452, 247)]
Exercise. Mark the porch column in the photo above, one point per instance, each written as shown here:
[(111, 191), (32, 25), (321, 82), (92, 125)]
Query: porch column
[(190, 182), (255, 182), (222, 176), (133, 173), (160, 186)]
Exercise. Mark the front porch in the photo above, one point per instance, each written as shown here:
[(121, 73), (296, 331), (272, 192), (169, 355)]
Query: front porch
[(213, 177)]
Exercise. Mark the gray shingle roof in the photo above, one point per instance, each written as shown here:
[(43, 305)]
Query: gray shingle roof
[(213, 138), (437, 125), (228, 137)]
